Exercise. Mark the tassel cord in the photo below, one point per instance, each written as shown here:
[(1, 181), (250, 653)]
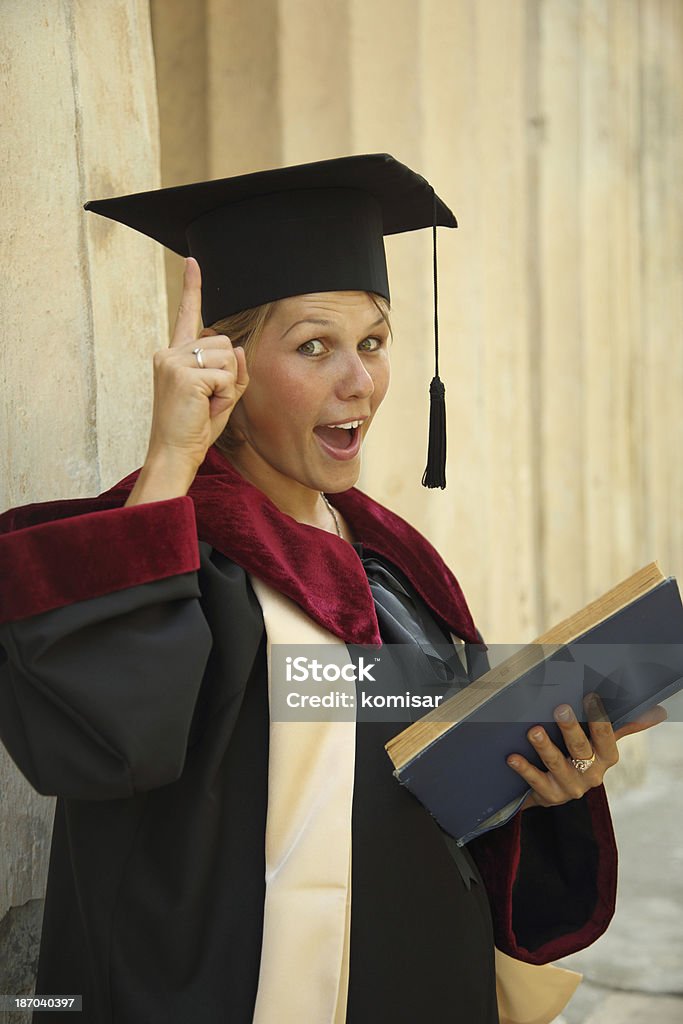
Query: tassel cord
[(435, 471)]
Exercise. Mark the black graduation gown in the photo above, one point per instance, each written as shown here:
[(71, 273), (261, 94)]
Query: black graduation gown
[(154, 908), (145, 711), (421, 930)]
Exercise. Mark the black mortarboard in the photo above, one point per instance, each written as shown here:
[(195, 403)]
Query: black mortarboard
[(309, 228)]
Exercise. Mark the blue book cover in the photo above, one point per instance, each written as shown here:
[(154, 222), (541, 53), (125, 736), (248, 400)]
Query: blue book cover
[(633, 659)]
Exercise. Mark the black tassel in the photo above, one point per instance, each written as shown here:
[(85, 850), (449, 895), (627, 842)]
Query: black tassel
[(435, 473)]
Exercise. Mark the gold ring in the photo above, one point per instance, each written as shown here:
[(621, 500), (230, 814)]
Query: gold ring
[(582, 764)]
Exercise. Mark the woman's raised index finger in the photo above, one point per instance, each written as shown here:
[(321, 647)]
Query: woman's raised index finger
[(188, 320)]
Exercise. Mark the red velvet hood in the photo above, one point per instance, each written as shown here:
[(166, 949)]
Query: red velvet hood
[(304, 563)]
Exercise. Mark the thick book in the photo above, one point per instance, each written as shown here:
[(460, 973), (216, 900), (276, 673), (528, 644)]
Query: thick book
[(626, 646)]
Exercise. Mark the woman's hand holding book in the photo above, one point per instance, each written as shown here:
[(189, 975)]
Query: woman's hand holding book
[(563, 781)]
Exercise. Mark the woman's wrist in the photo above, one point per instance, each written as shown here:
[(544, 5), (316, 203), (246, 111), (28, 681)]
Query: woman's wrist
[(164, 475)]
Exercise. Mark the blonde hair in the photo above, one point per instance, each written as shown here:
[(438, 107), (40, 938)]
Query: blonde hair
[(245, 328)]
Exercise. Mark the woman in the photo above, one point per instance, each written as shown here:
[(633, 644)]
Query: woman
[(208, 864)]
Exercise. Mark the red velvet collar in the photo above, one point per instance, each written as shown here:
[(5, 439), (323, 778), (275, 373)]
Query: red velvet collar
[(304, 563)]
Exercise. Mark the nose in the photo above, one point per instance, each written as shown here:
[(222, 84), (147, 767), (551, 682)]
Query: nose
[(354, 380)]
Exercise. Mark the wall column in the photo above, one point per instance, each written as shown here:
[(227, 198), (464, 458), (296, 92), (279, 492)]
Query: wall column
[(83, 303)]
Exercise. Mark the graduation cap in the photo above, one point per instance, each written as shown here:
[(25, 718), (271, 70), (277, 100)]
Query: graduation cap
[(294, 230)]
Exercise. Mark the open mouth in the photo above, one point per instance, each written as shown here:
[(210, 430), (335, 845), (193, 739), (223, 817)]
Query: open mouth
[(341, 441)]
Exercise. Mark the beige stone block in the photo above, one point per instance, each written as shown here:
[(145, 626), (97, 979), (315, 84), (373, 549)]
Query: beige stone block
[(315, 79), (49, 444), (119, 152), (25, 832), (83, 298), (179, 33), (243, 108)]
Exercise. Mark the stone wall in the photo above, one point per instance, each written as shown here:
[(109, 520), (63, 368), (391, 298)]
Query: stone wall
[(84, 306)]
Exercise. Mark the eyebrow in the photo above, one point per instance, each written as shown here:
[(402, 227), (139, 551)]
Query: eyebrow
[(326, 323)]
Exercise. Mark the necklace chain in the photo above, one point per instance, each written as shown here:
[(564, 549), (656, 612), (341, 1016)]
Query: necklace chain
[(334, 516)]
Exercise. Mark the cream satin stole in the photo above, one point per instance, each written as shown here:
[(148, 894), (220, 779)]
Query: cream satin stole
[(304, 969)]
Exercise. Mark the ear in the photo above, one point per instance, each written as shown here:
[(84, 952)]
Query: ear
[(207, 332)]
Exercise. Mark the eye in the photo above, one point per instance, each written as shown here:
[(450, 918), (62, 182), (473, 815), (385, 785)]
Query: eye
[(375, 344), (308, 347)]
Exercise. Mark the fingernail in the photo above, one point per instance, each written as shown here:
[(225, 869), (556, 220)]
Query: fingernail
[(537, 734), (564, 713), (513, 762)]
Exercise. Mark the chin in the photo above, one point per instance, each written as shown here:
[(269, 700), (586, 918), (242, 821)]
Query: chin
[(338, 482)]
